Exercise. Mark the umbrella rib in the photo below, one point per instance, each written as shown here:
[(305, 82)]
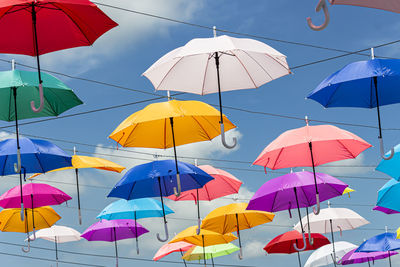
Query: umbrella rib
[(130, 192), (165, 133), (204, 76), (168, 72), (40, 164), (260, 64), (340, 142), (194, 118), (248, 74), (277, 157)]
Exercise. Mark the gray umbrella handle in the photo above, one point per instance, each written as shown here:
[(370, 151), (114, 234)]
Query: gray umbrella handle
[(17, 166), (383, 151), (166, 234), (198, 226), (224, 140), (28, 248), (322, 4), (316, 211), (40, 108), (304, 242), (178, 183), (22, 211), (240, 255)]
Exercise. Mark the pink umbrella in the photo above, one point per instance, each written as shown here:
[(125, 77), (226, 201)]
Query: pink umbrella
[(223, 184), (311, 146), (173, 247)]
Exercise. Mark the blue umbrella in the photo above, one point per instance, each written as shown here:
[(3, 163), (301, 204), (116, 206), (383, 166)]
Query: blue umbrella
[(134, 209), (388, 195), (363, 84), (391, 167), (383, 242), (158, 178)]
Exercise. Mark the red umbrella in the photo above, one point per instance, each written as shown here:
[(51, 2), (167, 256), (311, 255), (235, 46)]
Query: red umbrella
[(284, 243)]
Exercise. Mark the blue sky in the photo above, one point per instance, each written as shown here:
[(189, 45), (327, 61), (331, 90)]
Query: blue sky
[(122, 55)]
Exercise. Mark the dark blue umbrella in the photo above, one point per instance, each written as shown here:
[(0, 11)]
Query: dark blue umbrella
[(383, 242), (158, 178), (363, 84)]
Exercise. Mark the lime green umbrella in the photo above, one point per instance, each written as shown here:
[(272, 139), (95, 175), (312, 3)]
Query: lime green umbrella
[(210, 252)]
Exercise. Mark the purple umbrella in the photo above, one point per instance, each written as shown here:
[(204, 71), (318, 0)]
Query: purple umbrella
[(353, 257), (114, 230), (295, 190), (385, 210)]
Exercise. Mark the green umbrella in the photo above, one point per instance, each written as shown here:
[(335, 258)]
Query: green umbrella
[(17, 88), (210, 252)]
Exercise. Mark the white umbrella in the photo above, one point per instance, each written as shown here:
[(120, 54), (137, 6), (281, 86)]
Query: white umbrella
[(215, 65), (323, 256), (332, 220), (58, 234)]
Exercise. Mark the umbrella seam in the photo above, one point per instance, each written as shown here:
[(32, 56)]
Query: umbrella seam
[(204, 76), (168, 72), (260, 64), (209, 138), (248, 74)]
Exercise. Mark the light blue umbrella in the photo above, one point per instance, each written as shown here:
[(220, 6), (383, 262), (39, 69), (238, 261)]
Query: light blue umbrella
[(391, 167), (388, 195), (134, 209)]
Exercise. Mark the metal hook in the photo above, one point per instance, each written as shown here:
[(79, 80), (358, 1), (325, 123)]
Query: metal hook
[(166, 234), (177, 193), (304, 242), (316, 211), (224, 140), (321, 4), (17, 166), (383, 151), (40, 108)]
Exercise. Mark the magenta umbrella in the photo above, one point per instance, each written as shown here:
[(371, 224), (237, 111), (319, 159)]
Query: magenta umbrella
[(111, 231), (295, 190), (353, 257), (385, 210)]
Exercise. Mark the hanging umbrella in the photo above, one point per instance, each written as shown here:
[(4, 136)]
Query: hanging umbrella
[(353, 257), (348, 190), (284, 243), (204, 239), (114, 230), (295, 190), (235, 217), (134, 209), (323, 256), (332, 220), (157, 178), (170, 248), (223, 184), (36, 156), (169, 124), (362, 84), (388, 195), (239, 64), (38, 218), (391, 167), (58, 234), (43, 26), (385, 210), (211, 252), (84, 162), (311, 146)]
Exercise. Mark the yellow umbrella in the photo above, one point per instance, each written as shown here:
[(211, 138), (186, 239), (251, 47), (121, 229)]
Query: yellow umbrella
[(235, 217), (84, 162), (35, 219), (204, 239), (170, 124), (348, 190)]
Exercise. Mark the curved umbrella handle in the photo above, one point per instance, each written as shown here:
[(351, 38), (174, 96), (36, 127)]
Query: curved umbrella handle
[(304, 242), (177, 193), (240, 255), (310, 239), (321, 4), (34, 235), (28, 248), (316, 211), (17, 166), (166, 234), (198, 226), (40, 108), (383, 151), (224, 140), (340, 229)]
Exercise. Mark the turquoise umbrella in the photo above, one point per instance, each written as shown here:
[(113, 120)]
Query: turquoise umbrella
[(391, 167), (388, 195)]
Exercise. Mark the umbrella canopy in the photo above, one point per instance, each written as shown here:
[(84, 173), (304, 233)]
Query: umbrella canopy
[(385, 210), (364, 84), (391, 167), (235, 217), (388, 195), (170, 248), (323, 255), (348, 190), (205, 238), (389, 5), (353, 257), (34, 195), (239, 64), (381, 242), (196, 252)]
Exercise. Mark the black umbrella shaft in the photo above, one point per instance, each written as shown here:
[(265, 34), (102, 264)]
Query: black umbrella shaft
[(237, 230), (198, 204), (14, 89), (333, 243), (204, 251), (33, 217), (313, 167), (184, 262), (77, 188), (136, 228), (115, 243), (212, 260), (298, 257), (171, 119), (56, 248), (35, 37), (219, 87), (298, 209), (390, 261), (377, 105), (162, 201)]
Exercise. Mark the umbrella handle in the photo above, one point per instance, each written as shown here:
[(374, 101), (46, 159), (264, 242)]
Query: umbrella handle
[(383, 151), (166, 234), (40, 108), (240, 255), (340, 229), (304, 242), (17, 166), (177, 193), (28, 248), (316, 211), (310, 239), (198, 226), (223, 138), (34, 235), (22, 211), (321, 4)]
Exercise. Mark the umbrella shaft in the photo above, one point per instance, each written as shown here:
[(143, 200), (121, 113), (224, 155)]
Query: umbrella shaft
[(204, 251), (313, 167), (162, 201), (35, 36), (333, 243), (298, 209), (198, 204), (219, 87), (298, 257), (237, 230), (56, 248), (116, 248), (173, 142), (16, 115), (377, 105), (390, 261), (184, 262)]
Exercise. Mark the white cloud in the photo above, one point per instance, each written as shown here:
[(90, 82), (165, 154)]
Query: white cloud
[(253, 249)]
